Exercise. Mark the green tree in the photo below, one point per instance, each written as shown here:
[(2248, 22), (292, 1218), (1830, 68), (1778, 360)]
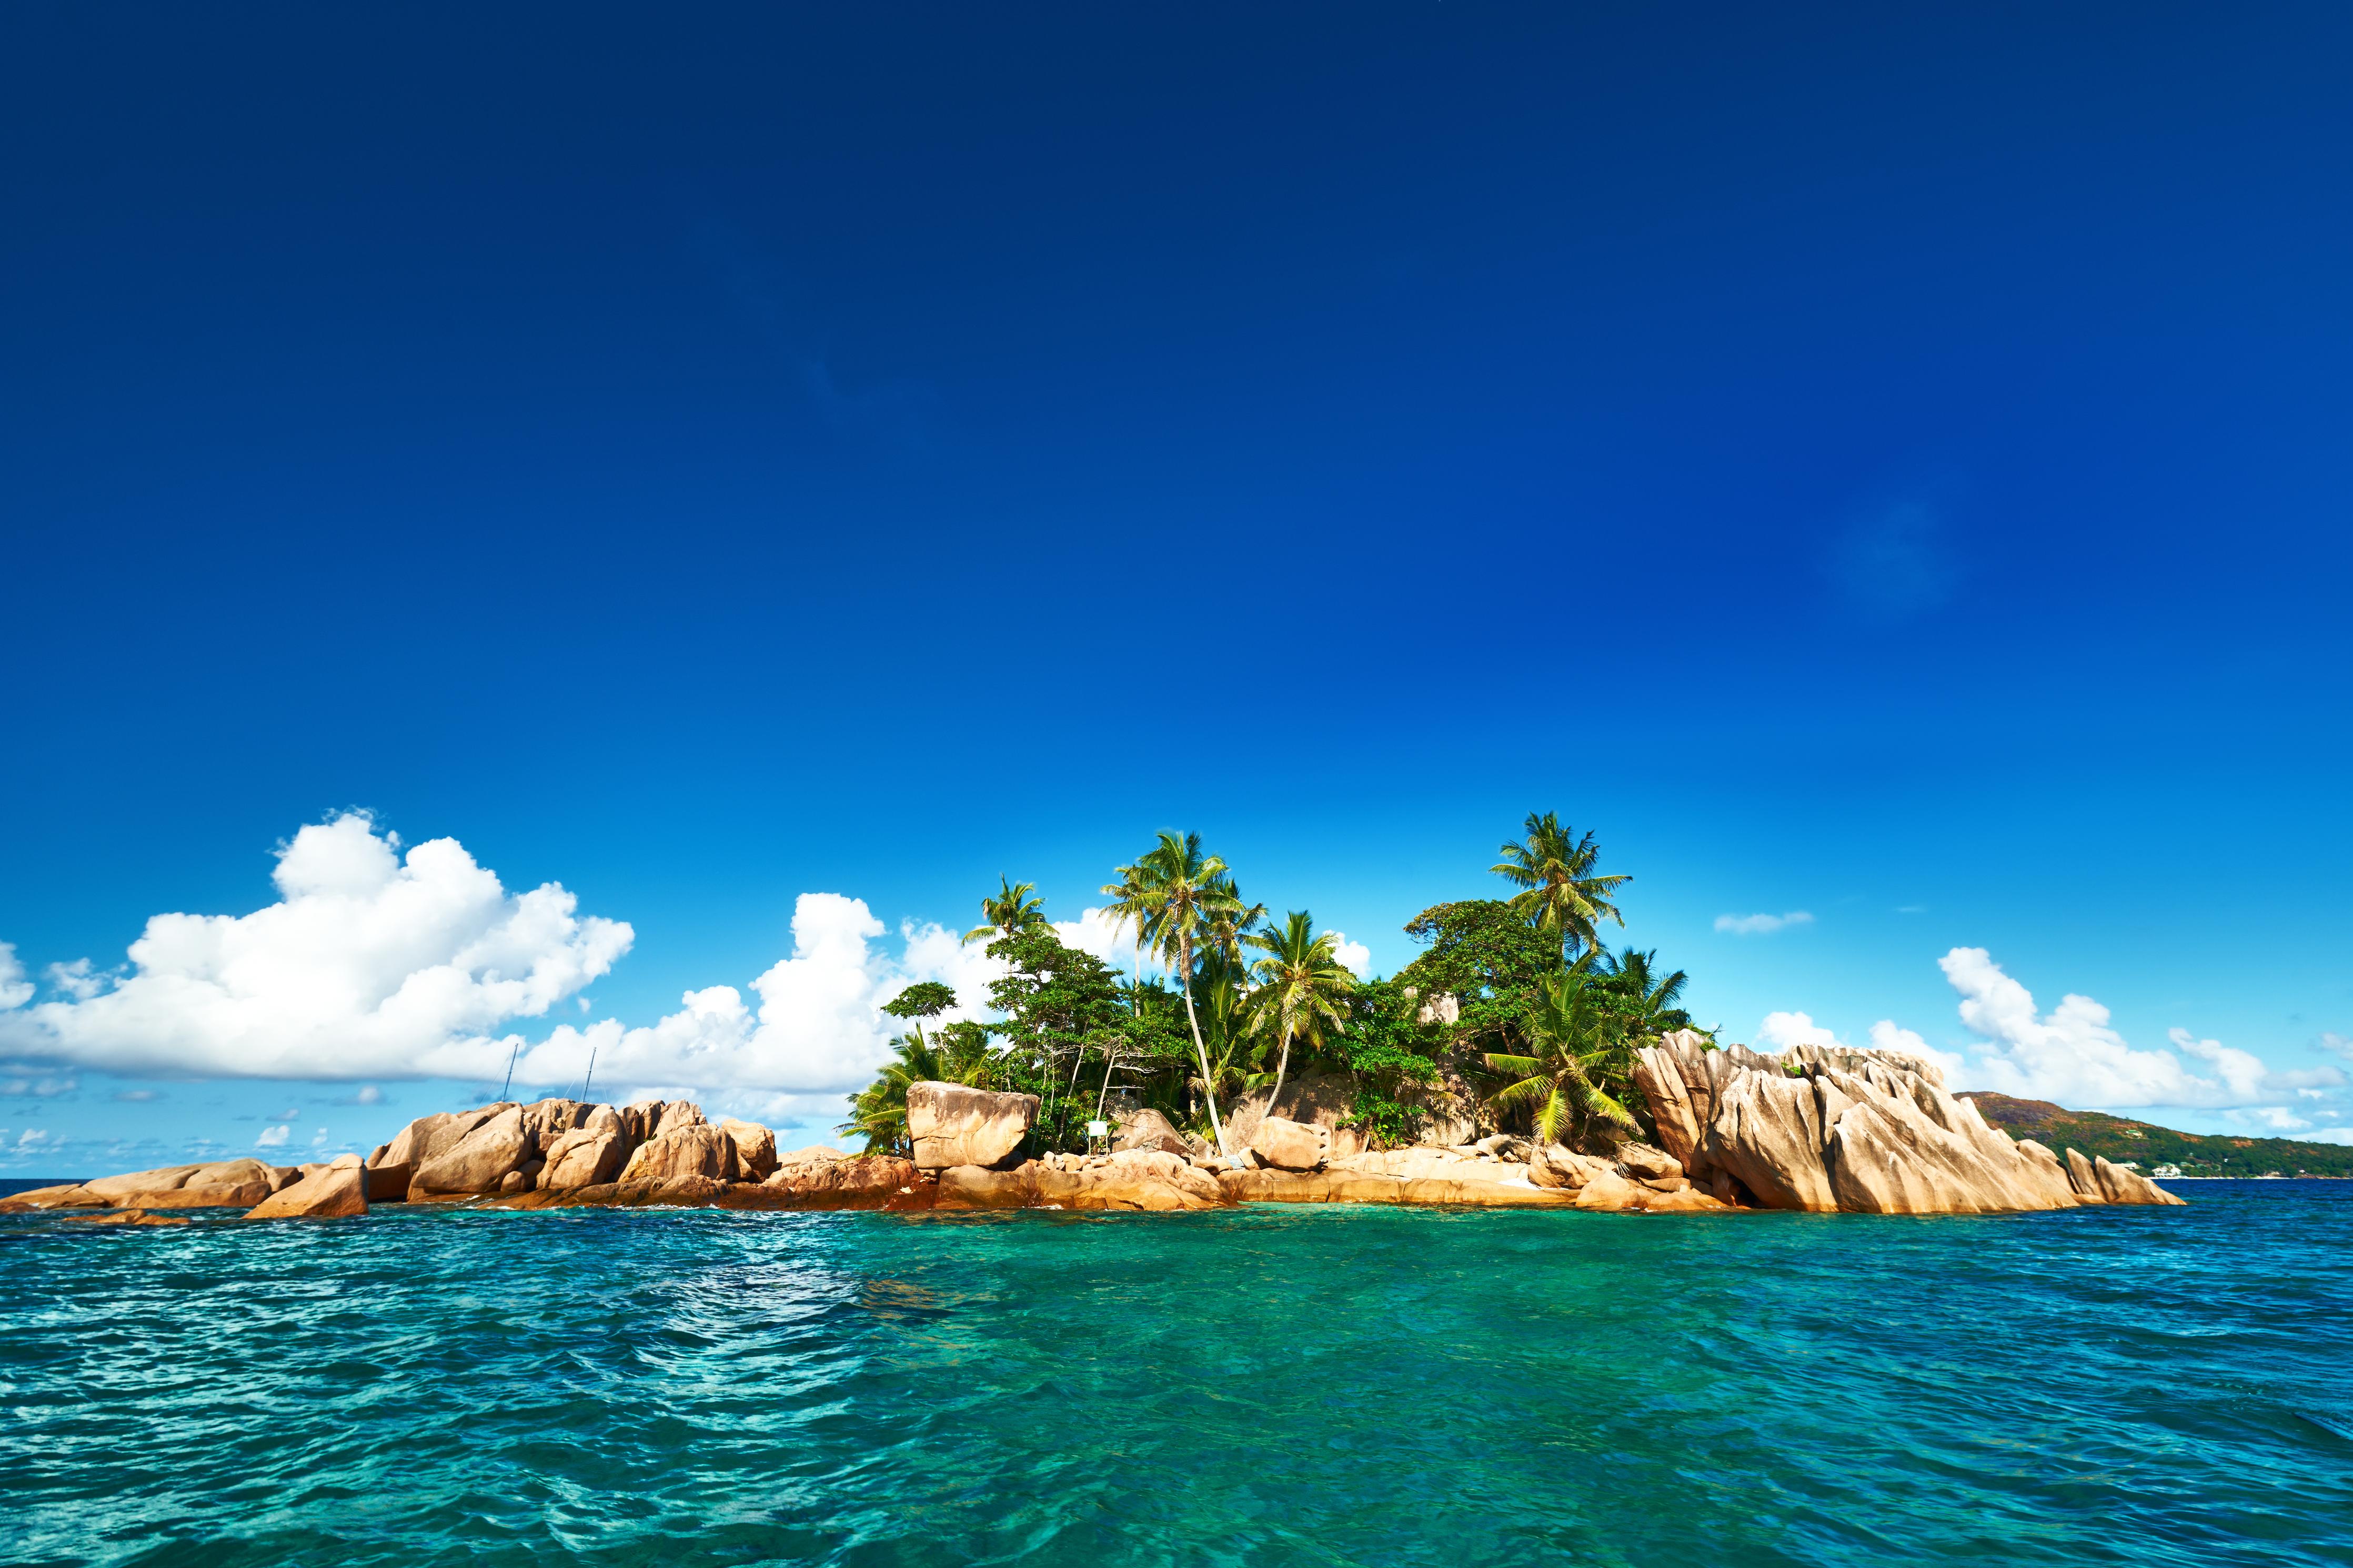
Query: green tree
[(923, 999), (1486, 957), (1173, 893), (1576, 1054), (1561, 895), (1009, 910), (1644, 997), (1303, 988), (1058, 1003)]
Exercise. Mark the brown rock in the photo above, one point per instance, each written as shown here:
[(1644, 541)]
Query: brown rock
[(585, 1157), (1130, 1179), (953, 1125), (478, 1162), (2122, 1186), (1147, 1129), (1825, 1128), (1644, 1163), (429, 1137), (756, 1148), (124, 1216), (1312, 1099), (983, 1187), (65, 1195), (386, 1183), (835, 1182), (677, 1114), (1608, 1190), (331, 1192), (1290, 1145), (692, 1149), (814, 1152)]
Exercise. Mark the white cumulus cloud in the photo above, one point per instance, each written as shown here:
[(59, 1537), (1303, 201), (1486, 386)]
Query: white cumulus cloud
[(1353, 956), (2075, 1055), (371, 964), (271, 1137), (1779, 1031), (15, 989), (1762, 925), (817, 1027)]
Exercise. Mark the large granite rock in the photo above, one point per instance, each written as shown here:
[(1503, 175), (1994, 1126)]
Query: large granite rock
[(1828, 1130), (479, 1162), (1290, 1145), (1133, 1179), (333, 1190), (220, 1184), (953, 1125), (690, 1148), (1311, 1098), (1147, 1129), (823, 1179), (1337, 1185), (756, 1148), (585, 1157)]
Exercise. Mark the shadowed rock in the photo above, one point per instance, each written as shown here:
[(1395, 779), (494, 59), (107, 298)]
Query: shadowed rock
[(756, 1148), (689, 1149), (478, 1162), (1290, 1145)]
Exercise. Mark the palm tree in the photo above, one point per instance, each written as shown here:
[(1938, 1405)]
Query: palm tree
[(1173, 893), (1303, 988), (1560, 893), (1646, 1000), (1575, 1039), (1010, 911)]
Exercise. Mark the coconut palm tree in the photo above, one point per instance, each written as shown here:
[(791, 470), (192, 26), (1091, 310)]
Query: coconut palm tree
[(1645, 998), (1010, 911), (1554, 868), (1303, 988), (1576, 1041), (1173, 893)]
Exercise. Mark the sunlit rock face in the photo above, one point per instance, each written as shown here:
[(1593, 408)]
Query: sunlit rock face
[(1860, 1131)]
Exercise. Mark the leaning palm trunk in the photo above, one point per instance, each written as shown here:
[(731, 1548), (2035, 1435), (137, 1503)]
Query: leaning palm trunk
[(1281, 1066), (1208, 1080)]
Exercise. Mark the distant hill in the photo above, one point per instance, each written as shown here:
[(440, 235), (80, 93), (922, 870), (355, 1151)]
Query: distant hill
[(2148, 1147)]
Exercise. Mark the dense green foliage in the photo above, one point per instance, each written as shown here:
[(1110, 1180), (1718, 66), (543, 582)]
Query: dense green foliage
[(1511, 1009)]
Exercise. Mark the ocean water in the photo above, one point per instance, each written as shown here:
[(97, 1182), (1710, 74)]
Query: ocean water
[(1272, 1386)]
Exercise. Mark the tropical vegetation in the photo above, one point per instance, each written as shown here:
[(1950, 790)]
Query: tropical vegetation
[(1514, 1012)]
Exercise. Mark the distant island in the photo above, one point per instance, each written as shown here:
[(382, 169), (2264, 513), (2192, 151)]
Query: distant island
[(2154, 1150), (1517, 1062)]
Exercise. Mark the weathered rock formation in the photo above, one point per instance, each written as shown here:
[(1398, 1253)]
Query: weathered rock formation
[(478, 1160), (332, 1191), (1131, 1179), (221, 1183), (1290, 1145), (1147, 1129), (685, 1149), (1312, 1099), (756, 1148), (953, 1125), (1865, 1131)]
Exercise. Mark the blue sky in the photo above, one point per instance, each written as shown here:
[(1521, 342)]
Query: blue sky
[(1889, 465)]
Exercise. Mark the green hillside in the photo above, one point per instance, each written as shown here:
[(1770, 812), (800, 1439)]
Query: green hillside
[(2148, 1147)]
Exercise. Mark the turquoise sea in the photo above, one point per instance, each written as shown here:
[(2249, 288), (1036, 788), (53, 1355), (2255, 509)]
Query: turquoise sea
[(1271, 1385)]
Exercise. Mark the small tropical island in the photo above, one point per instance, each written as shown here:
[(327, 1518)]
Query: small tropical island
[(1517, 1062)]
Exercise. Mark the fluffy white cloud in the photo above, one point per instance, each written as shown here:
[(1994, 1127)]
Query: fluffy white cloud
[(819, 1027), (1779, 1031), (271, 1137), (1099, 932), (15, 989), (370, 964), (2072, 1055), (1762, 925), (1353, 956), (2332, 1041)]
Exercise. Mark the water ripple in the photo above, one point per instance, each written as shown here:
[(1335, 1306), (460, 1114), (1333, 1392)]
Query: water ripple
[(1275, 1385)]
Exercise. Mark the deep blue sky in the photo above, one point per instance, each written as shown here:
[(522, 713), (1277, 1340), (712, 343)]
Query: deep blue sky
[(1854, 458)]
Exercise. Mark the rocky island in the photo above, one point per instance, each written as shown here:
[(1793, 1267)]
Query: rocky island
[(1818, 1130)]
